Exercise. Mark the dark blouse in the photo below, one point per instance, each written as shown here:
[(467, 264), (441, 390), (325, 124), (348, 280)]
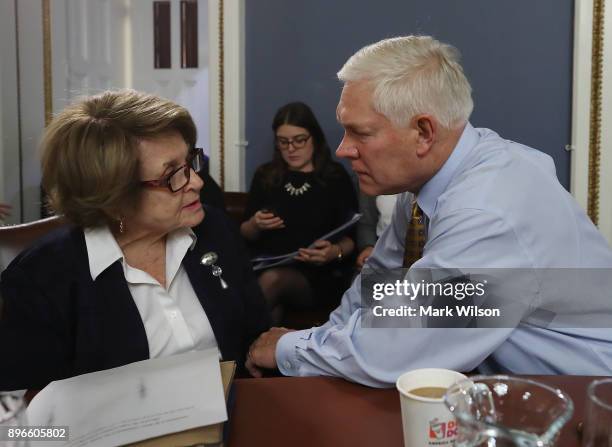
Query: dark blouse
[(309, 207)]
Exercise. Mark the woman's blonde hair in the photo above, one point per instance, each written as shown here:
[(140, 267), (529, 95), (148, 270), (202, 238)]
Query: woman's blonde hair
[(90, 162)]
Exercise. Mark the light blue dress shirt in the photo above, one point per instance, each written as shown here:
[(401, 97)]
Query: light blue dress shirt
[(494, 204)]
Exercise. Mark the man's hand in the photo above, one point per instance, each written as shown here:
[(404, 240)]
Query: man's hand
[(262, 353)]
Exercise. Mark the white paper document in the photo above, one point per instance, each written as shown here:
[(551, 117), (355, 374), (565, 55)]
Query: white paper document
[(264, 262), (134, 402)]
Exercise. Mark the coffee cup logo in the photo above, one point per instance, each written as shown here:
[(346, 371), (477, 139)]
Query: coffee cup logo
[(442, 430)]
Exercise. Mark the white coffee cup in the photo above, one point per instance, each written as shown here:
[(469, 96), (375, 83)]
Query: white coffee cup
[(426, 420)]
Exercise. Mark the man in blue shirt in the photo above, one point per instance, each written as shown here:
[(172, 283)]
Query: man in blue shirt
[(487, 202)]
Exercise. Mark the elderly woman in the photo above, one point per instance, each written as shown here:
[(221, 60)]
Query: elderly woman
[(124, 282)]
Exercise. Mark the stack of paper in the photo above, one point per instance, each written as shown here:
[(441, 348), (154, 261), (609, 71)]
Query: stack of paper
[(209, 436), (140, 401), (264, 262)]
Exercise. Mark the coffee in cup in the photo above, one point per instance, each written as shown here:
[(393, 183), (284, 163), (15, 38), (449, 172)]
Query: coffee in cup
[(434, 392), (425, 418)]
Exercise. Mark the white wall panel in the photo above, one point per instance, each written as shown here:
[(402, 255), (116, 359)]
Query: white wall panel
[(9, 142), (32, 103)]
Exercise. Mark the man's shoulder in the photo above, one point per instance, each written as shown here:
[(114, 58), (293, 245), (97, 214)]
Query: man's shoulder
[(507, 191), (500, 176), (494, 154)]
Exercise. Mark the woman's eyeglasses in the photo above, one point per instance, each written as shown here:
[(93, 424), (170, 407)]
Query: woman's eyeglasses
[(298, 142), (178, 179)]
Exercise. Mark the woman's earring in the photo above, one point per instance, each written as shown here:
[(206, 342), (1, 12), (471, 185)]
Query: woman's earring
[(121, 226)]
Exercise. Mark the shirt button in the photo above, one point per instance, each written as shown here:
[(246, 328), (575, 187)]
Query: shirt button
[(287, 364), (173, 314)]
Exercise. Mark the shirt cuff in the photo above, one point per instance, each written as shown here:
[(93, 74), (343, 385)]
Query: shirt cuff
[(286, 351)]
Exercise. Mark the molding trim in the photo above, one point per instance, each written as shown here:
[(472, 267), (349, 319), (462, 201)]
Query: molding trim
[(226, 107), (581, 93), (47, 82), (215, 101), (221, 84), (47, 61), (234, 97), (595, 111), (19, 114), (586, 105)]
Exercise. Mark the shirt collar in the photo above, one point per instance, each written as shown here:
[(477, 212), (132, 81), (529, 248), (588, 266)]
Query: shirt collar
[(103, 250), (177, 244), (429, 193)]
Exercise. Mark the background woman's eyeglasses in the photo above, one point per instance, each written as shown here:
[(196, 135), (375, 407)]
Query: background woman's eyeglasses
[(178, 179), (298, 142)]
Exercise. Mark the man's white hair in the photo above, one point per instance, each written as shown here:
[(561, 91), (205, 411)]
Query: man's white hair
[(412, 75)]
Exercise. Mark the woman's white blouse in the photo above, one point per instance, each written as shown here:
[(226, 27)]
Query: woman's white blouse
[(174, 319)]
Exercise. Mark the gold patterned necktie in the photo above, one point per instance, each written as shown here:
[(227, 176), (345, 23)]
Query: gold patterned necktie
[(415, 236)]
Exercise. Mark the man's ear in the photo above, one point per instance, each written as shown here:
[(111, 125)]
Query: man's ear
[(426, 128)]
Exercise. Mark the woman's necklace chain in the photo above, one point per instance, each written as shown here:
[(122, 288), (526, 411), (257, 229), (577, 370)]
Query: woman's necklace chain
[(292, 190)]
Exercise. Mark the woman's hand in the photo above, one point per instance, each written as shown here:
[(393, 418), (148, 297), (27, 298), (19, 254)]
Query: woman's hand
[(260, 221), (265, 220), (5, 210), (322, 253), (363, 256)]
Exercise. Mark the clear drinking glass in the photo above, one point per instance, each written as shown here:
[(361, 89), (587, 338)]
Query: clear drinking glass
[(505, 411), (12, 415), (597, 430)]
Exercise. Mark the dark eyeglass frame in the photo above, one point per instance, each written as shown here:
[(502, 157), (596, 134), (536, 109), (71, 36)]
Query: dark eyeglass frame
[(283, 143), (195, 161)]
